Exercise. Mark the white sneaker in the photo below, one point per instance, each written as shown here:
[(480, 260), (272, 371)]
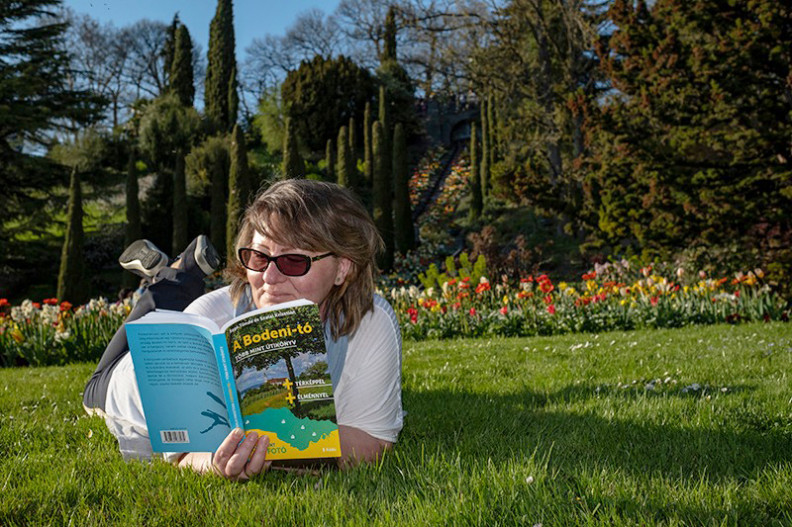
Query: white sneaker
[(143, 258)]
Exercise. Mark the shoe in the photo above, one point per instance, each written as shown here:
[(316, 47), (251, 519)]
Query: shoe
[(143, 258), (200, 257)]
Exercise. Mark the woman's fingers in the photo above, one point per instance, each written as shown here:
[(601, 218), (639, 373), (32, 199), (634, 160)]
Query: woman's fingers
[(226, 449), (258, 460), (235, 460), (236, 463)]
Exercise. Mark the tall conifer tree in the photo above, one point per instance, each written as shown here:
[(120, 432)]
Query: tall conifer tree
[(476, 199), (397, 83), (71, 276), (352, 170), (386, 149), (383, 187), (293, 164), (403, 225), (492, 134), (329, 161), (181, 71), (239, 190), (485, 133), (220, 68), (169, 48), (367, 162), (180, 217), (342, 164)]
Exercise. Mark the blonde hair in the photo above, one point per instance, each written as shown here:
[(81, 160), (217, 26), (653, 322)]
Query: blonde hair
[(319, 217)]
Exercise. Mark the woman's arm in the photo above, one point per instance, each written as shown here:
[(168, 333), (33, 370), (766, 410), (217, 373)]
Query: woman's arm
[(357, 446)]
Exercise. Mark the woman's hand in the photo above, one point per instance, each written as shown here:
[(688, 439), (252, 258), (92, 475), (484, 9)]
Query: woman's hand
[(241, 461)]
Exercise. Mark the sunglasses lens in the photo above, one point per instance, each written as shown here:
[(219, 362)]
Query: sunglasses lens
[(253, 259), (293, 264)]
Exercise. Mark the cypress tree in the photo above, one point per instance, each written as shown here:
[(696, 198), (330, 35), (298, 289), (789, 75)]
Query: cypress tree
[(485, 131), (133, 230), (397, 83), (220, 67), (181, 71), (385, 132), (384, 116), (71, 283), (352, 171), (233, 98), (389, 36), (476, 201), (383, 215), (239, 190), (169, 48), (367, 162), (217, 205), (179, 205), (352, 137), (293, 165), (404, 231), (492, 136), (342, 165), (329, 161)]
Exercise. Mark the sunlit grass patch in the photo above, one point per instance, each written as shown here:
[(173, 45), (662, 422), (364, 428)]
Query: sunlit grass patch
[(656, 427)]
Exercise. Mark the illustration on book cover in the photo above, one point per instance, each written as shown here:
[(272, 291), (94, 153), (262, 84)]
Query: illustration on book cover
[(280, 366)]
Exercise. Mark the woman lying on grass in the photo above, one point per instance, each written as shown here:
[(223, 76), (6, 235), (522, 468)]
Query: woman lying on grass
[(299, 239)]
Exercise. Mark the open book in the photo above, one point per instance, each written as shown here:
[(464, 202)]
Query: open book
[(265, 370)]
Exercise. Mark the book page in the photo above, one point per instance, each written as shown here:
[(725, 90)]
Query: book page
[(179, 386)]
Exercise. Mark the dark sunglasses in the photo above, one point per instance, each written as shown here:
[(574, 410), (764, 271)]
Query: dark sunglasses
[(288, 264)]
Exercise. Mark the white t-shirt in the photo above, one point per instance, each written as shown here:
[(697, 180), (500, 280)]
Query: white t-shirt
[(365, 369)]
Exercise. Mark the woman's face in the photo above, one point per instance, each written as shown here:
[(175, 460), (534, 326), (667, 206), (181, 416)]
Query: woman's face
[(271, 286)]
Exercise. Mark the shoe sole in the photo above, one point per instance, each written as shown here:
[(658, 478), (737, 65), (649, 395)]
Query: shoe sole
[(144, 258), (205, 255)]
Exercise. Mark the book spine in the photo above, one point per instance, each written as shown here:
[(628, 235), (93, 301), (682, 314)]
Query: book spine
[(227, 380)]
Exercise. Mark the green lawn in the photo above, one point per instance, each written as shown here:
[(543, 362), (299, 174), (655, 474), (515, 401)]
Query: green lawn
[(556, 430)]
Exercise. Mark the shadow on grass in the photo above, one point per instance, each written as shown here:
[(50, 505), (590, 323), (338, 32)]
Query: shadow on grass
[(483, 426)]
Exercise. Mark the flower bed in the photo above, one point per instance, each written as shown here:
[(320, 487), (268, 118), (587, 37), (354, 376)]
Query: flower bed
[(52, 332), (460, 301), (421, 177), (442, 212), (466, 303)]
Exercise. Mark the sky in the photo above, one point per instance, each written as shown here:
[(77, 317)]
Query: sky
[(252, 18)]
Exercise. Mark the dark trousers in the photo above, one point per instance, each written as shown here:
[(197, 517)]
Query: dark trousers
[(172, 289)]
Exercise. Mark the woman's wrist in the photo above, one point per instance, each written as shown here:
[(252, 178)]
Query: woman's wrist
[(198, 461)]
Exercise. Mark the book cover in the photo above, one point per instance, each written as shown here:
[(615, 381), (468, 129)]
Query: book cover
[(264, 371), (279, 363)]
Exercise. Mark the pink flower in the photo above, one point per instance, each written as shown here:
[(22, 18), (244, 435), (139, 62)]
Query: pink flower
[(551, 309), (472, 311), (504, 310)]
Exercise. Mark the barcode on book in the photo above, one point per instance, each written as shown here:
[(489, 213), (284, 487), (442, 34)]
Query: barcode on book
[(174, 436)]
